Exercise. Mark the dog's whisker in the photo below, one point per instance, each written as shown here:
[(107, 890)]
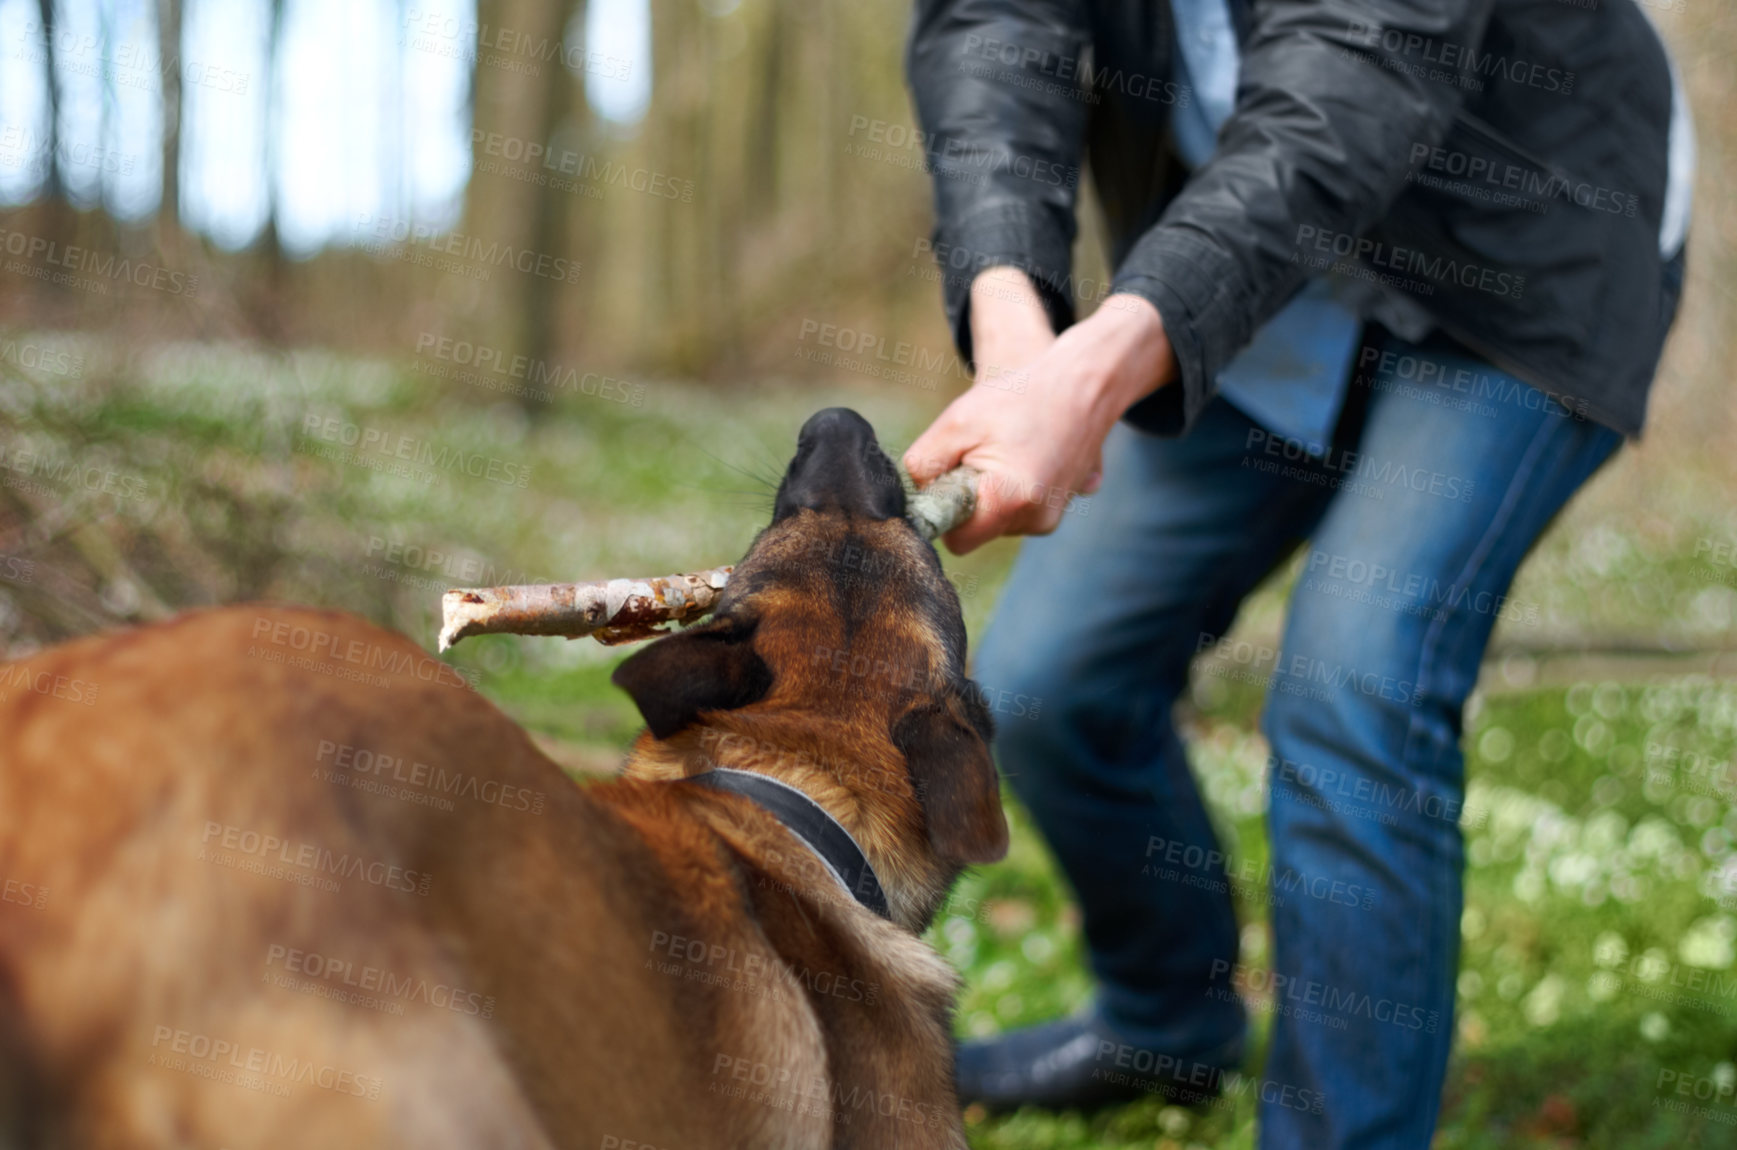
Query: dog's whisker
[(754, 476)]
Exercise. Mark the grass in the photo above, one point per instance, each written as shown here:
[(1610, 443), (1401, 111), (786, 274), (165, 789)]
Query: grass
[(1600, 943), (1598, 946)]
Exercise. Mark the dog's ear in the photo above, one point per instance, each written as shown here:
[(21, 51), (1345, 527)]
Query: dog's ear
[(946, 746), (712, 667)]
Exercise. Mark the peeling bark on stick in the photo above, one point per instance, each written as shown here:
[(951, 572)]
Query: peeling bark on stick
[(943, 505), (611, 610), (627, 610)]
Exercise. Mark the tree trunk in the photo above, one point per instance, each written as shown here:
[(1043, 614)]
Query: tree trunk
[(52, 189), (549, 232), (270, 313), (516, 96), (169, 65)]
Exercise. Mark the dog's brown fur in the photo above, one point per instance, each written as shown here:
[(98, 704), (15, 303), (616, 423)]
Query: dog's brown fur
[(133, 941)]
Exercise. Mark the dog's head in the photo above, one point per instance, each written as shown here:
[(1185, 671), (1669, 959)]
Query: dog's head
[(839, 639)]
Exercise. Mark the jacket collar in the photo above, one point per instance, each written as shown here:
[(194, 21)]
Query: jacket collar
[(808, 821)]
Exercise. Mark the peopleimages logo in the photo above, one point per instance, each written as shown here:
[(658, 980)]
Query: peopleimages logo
[(328, 647), (307, 857), (439, 32), (566, 162), (874, 354), (1323, 242), (367, 985), (1461, 61), (1073, 74), (45, 255), (252, 1067), (1344, 1002), (128, 63), (1528, 185), (396, 771), (18, 676), (552, 378), (24, 894), (411, 449), (35, 357), (958, 266), (482, 254), (1174, 860), (24, 145), (1377, 475), (24, 459)]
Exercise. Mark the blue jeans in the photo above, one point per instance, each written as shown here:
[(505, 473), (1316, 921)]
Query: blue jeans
[(1443, 473)]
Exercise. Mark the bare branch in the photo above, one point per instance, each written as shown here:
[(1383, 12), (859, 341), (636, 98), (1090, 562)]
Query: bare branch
[(943, 505), (627, 610), (611, 611)]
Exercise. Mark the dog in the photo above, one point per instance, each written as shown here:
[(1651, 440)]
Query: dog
[(275, 877)]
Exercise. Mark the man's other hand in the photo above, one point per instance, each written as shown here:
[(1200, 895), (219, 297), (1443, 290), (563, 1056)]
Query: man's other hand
[(1035, 418)]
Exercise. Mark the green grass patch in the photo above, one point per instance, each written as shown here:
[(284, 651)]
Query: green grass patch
[(1597, 968)]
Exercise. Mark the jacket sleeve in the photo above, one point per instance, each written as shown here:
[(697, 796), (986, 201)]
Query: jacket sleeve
[(1003, 111), (1333, 96)]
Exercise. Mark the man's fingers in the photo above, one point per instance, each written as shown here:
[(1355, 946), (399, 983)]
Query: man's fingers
[(1004, 507), (972, 534), (1095, 477), (991, 520), (935, 452)]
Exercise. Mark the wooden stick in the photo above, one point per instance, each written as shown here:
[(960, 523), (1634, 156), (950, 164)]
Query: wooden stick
[(943, 505), (627, 610)]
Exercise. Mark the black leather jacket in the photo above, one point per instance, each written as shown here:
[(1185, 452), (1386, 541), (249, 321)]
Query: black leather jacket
[(1502, 163)]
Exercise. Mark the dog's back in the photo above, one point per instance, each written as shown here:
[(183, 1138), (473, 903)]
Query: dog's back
[(277, 877)]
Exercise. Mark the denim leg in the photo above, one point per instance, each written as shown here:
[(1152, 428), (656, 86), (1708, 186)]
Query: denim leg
[(1456, 476), (1095, 629)]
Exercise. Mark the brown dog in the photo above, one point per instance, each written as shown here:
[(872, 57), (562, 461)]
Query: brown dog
[(274, 877)]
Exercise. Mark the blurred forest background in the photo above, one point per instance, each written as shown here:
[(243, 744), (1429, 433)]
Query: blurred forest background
[(509, 207), (350, 301), (699, 160)]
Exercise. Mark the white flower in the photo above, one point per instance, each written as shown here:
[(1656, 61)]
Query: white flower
[(1707, 943), (1544, 1005), (1609, 949)]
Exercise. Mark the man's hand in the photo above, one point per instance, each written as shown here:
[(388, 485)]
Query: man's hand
[(1035, 419)]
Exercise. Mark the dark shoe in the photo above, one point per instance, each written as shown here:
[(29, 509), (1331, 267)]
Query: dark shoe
[(1078, 1064)]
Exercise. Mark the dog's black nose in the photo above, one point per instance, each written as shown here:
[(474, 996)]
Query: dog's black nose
[(838, 425), (840, 467)]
